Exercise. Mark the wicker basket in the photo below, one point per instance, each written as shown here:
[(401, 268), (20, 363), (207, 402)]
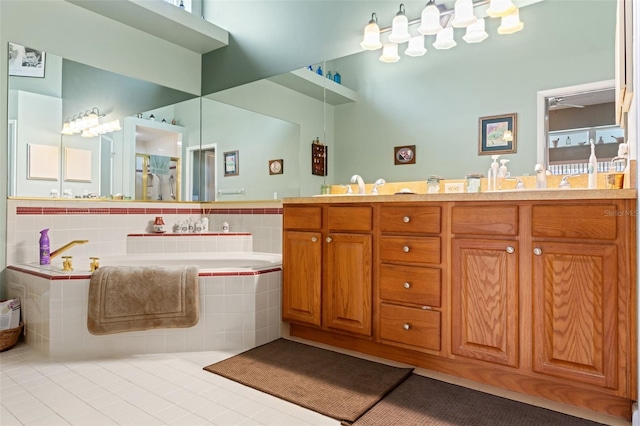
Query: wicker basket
[(8, 338)]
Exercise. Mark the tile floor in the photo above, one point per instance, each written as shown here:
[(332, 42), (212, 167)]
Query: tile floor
[(162, 389)]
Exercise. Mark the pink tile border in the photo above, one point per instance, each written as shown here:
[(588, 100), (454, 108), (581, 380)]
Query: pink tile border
[(21, 210)]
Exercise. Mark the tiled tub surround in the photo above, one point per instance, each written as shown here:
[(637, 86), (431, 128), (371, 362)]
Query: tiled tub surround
[(238, 310), (107, 224)]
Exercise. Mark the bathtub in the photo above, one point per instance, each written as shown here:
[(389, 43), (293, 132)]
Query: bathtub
[(240, 306)]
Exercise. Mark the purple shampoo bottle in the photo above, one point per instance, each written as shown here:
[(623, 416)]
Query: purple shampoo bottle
[(45, 258)]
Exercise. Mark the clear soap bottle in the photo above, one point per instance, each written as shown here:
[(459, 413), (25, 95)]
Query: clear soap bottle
[(492, 181), (593, 167)]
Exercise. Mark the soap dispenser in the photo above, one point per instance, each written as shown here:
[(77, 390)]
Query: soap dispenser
[(593, 167), (492, 182), (503, 173)]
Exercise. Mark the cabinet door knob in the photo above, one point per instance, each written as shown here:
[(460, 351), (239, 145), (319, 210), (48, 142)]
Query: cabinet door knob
[(406, 326), (407, 285), (406, 219), (314, 239), (537, 251), (405, 249), (510, 250), (328, 239)]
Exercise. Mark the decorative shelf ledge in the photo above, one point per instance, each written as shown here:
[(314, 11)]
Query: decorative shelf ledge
[(316, 86), (163, 20)]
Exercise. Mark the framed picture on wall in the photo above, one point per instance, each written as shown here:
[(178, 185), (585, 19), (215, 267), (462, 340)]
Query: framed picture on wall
[(404, 155), (231, 163), (25, 61), (497, 134)]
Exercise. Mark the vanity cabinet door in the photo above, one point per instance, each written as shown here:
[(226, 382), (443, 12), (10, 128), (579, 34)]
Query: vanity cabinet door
[(484, 300), (575, 312), (348, 286), (302, 275)]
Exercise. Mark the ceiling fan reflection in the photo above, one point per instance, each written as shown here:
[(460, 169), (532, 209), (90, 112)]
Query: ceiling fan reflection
[(559, 102)]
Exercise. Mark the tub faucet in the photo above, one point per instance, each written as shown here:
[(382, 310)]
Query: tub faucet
[(358, 179), (378, 183), (66, 247)]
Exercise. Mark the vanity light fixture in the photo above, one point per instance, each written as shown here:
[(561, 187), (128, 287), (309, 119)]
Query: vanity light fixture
[(400, 27), (463, 14), (440, 21), (416, 46), (390, 53), (475, 32), (371, 39), (500, 8), (510, 23), (88, 124)]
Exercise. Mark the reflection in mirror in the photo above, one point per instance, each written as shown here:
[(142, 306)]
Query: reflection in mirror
[(575, 116), (96, 166), (258, 139)]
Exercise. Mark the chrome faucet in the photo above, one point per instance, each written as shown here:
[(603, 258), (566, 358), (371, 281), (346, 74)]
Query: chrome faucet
[(378, 183), (66, 247), (357, 179)]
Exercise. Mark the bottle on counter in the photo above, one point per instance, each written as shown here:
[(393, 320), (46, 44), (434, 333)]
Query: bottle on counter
[(593, 167), (45, 255), (319, 70), (337, 77)]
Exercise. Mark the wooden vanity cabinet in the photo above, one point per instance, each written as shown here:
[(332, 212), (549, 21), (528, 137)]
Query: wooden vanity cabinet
[(484, 283), (327, 267), (579, 296), (410, 277)]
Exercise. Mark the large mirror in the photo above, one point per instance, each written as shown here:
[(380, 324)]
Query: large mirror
[(167, 145)]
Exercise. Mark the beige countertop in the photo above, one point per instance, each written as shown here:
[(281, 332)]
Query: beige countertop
[(515, 195)]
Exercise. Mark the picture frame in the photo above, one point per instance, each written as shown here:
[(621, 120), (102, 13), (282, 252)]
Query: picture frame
[(231, 163), (493, 134), (404, 155), (276, 167), (25, 61)]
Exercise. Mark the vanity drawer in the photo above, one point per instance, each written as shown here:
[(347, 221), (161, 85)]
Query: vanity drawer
[(410, 326), (578, 221), (302, 217), (350, 218), (410, 249), (410, 284), (485, 220), (410, 219)]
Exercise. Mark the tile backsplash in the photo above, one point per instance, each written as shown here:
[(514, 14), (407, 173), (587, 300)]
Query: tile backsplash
[(107, 225)]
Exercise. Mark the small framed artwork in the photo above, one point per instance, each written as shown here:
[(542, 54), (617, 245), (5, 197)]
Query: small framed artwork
[(25, 61), (77, 165), (231, 163), (497, 134), (404, 154), (43, 162), (276, 167)]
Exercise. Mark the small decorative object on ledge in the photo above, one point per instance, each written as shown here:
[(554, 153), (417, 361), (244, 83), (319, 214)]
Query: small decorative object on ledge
[(318, 158)]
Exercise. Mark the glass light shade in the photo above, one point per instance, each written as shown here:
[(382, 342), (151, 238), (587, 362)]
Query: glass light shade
[(444, 39), (371, 39), (66, 128), (93, 119), (88, 133), (400, 28), (78, 124), (390, 53), (416, 46), (463, 14), (475, 32), (511, 23), (499, 8), (430, 20)]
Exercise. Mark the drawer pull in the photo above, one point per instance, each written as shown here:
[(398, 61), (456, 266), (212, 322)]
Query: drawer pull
[(329, 239), (537, 251), (314, 239), (406, 219), (406, 326), (407, 285), (510, 250), (405, 249)]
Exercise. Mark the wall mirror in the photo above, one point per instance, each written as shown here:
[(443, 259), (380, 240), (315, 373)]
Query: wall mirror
[(161, 151)]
